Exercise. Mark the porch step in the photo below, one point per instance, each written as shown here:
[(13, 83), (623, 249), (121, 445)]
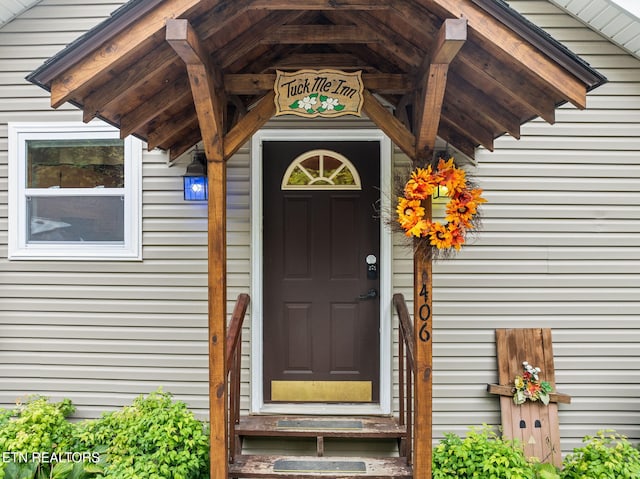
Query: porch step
[(358, 427), (292, 467)]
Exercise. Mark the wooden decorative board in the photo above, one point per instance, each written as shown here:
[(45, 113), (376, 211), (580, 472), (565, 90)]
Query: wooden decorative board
[(532, 423)]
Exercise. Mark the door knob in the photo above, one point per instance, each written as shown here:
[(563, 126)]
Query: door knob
[(371, 294)]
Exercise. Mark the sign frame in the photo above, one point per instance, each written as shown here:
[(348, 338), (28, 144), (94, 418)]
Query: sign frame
[(319, 93)]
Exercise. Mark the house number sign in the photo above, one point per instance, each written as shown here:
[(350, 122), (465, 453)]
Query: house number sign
[(424, 313), (313, 93)]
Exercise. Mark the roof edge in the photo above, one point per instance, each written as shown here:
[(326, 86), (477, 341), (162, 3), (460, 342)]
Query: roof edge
[(543, 42), (119, 19)]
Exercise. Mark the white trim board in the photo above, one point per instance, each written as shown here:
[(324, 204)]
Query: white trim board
[(257, 400)]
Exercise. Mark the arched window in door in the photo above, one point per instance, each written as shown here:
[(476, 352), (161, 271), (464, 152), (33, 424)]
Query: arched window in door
[(321, 170)]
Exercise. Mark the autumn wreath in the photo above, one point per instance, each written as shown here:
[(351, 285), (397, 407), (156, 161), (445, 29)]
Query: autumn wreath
[(461, 210)]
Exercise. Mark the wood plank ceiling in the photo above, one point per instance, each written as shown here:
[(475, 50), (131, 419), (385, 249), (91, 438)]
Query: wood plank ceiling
[(507, 72)]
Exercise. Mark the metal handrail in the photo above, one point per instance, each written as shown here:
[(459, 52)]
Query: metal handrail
[(233, 366), (406, 368)]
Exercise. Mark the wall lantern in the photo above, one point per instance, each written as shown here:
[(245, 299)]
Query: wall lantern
[(195, 178)]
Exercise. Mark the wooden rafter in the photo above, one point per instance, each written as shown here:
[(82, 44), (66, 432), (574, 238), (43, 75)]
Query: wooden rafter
[(122, 82), (497, 36), (451, 37), (175, 93), (242, 44), (321, 4), (114, 51), (504, 83), (324, 34)]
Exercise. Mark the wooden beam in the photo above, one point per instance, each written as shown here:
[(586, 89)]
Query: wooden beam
[(467, 97), (122, 82), (249, 124), (340, 61), (239, 47), (256, 84), (176, 93), (499, 37), (451, 37), (207, 91), (474, 126), (173, 130), (217, 253), (320, 5), (423, 348), (321, 34), (504, 390), (499, 80), (184, 144), (113, 50), (206, 86), (388, 123), (390, 44)]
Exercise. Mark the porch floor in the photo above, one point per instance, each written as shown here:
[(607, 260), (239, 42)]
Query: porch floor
[(344, 428), (290, 467)]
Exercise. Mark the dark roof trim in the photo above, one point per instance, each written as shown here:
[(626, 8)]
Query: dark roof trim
[(543, 42), (120, 19)]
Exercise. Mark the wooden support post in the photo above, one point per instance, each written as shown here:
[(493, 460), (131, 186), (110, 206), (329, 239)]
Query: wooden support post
[(217, 249), (450, 39), (423, 347), (433, 72), (208, 97)]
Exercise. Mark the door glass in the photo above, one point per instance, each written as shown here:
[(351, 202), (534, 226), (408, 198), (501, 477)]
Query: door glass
[(321, 169)]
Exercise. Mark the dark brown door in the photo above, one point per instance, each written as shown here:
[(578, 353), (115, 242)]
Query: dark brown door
[(321, 339)]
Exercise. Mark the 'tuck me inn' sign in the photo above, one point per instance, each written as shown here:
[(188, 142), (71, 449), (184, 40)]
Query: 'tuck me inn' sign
[(311, 93)]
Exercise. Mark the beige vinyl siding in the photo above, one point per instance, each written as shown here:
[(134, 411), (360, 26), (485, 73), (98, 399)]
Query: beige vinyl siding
[(559, 248), (101, 333)]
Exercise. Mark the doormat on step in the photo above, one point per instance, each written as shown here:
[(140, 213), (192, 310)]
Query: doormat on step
[(287, 465), (313, 424)]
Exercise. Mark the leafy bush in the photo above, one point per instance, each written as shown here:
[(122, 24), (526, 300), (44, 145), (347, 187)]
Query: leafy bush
[(607, 455), (33, 433), (153, 438), (481, 455)]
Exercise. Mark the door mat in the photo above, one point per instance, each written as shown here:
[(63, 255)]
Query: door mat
[(287, 465), (320, 425)]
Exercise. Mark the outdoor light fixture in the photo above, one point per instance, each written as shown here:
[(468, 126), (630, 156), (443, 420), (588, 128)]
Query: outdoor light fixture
[(195, 178)]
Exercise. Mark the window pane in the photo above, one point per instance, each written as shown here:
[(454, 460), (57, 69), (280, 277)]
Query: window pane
[(321, 169), (75, 163), (75, 218)]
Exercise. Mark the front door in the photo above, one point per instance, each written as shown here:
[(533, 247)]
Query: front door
[(321, 289)]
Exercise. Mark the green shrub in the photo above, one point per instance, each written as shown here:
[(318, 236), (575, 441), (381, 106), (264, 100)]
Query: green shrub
[(33, 430), (481, 455), (154, 438), (607, 455)]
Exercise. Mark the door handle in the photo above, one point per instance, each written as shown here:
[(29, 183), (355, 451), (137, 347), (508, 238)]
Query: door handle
[(371, 294)]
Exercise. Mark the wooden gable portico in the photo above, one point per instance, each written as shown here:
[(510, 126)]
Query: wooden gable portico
[(180, 72)]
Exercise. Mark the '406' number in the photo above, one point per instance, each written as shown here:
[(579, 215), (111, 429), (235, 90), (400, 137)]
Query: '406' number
[(424, 313)]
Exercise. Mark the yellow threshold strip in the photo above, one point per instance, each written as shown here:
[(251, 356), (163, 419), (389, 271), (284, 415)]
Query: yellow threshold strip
[(321, 391)]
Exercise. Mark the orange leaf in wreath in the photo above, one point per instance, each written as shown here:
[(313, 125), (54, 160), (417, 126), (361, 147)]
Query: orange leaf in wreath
[(452, 178), (421, 184)]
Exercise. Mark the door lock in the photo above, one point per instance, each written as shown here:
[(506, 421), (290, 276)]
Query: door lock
[(371, 294)]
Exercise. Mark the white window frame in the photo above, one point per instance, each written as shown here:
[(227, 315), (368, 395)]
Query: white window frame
[(19, 248)]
